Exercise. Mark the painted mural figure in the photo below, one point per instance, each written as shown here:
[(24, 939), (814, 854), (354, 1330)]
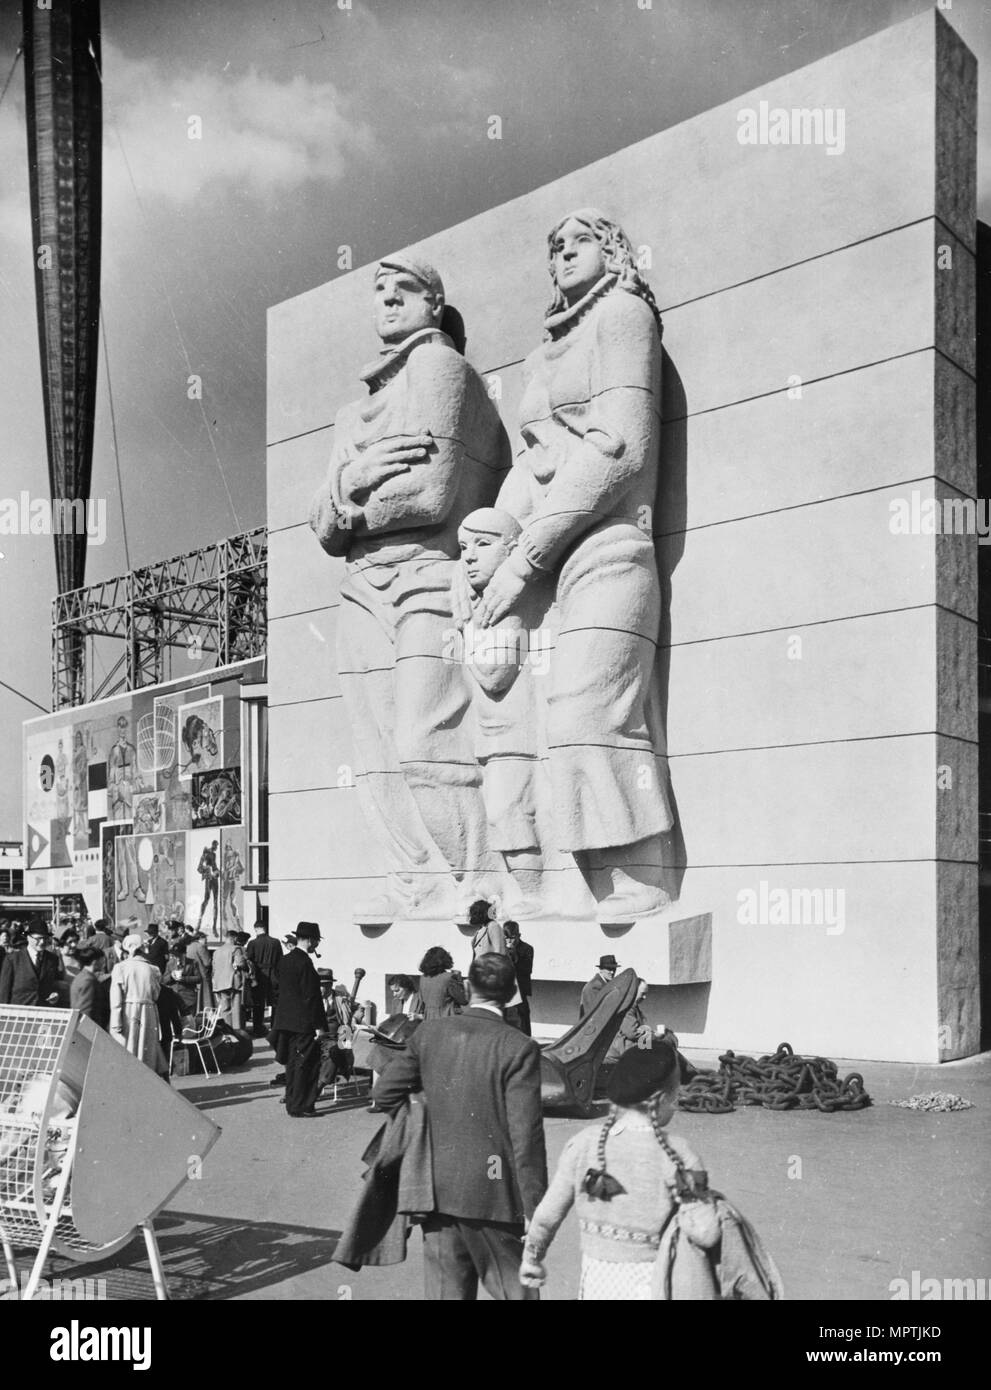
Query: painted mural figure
[(506, 720), (62, 785), (80, 791), (583, 489), (154, 889), (233, 870), (160, 894), (209, 871), (126, 869), (413, 458), (200, 745), (121, 765)]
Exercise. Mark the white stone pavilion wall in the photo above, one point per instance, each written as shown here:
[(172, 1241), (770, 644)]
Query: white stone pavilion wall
[(770, 264)]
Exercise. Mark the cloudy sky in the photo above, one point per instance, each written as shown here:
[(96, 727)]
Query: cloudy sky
[(320, 126)]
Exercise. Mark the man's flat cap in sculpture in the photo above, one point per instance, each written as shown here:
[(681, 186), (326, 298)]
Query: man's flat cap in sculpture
[(420, 270)]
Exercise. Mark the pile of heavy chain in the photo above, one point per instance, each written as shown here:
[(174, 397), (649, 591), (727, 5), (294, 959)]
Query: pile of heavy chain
[(781, 1081), (935, 1100)]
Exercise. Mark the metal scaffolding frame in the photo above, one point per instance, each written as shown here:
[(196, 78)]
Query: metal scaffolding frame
[(208, 601)]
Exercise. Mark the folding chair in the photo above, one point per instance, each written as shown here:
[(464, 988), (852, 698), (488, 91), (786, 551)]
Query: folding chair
[(200, 1037)]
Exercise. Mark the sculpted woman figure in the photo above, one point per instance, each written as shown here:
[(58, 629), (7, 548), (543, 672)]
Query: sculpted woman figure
[(583, 489)]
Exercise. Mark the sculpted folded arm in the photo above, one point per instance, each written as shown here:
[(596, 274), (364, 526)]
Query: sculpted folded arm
[(404, 479)]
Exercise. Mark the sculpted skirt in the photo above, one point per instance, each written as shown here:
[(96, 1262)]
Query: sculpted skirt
[(603, 711)]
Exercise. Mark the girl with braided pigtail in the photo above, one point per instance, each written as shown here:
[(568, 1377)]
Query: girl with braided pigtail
[(626, 1178)]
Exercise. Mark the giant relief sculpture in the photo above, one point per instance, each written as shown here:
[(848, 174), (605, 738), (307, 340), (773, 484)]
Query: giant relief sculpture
[(529, 746)]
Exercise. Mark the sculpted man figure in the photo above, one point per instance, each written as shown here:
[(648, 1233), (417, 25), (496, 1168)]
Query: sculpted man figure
[(409, 462)]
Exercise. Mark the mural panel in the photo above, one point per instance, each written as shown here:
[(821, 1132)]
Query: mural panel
[(233, 857), (110, 834), (109, 793), (217, 797), (48, 822), (201, 738)]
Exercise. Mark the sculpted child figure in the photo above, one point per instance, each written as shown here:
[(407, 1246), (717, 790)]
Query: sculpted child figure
[(506, 722), (583, 489), (410, 461)]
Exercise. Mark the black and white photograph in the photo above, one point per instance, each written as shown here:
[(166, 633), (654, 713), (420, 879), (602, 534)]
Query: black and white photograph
[(494, 500)]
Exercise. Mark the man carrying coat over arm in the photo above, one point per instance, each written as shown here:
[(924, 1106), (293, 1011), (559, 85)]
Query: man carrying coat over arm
[(481, 1081), (300, 1022)]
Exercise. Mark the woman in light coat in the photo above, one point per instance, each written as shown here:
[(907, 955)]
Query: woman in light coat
[(228, 970), (134, 987)]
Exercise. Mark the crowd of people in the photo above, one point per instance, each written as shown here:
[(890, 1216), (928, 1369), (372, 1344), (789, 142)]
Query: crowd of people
[(494, 1213), (460, 1046), (142, 986)]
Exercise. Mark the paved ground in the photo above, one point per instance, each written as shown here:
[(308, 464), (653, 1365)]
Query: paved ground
[(846, 1203)]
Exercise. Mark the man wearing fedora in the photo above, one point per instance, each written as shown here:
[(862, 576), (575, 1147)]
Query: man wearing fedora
[(605, 973), (520, 952), (300, 1022)]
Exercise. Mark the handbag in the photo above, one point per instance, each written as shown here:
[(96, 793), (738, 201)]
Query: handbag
[(709, 1250)]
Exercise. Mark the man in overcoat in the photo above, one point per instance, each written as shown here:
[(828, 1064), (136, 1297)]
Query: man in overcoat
[(300, 1022), (481, 1082)]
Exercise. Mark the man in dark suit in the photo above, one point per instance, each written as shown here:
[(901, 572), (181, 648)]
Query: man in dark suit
[(481, 1080), (605, 973), (33, 974), (266, 956), (155, 949), (300, 1022), (520, 952)]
